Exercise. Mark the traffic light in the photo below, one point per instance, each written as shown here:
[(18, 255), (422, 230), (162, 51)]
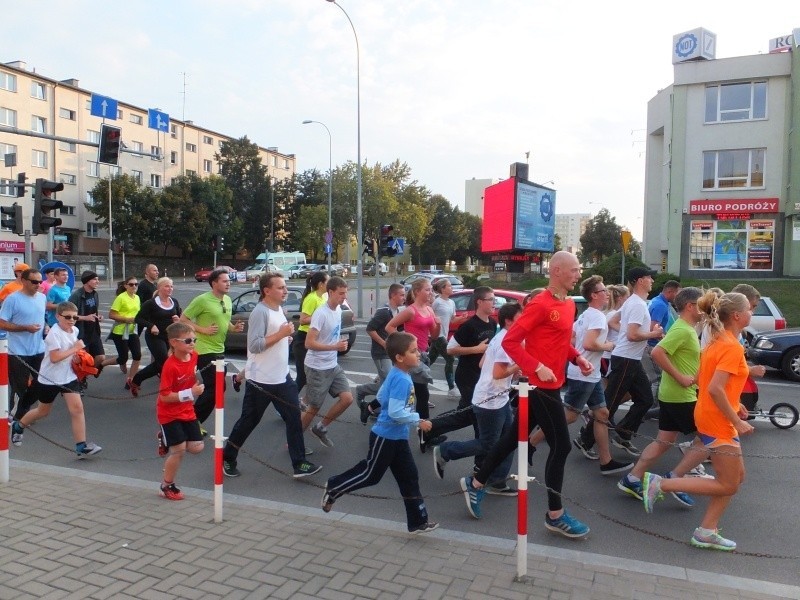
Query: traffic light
[(213, 243), (14, 219), (221, 244), (43, 205), (368, 247), (386, 246), (110, 142), (21, 179)]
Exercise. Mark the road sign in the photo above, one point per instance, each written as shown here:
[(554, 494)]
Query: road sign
[(328, 236), (399, 245), (104, 107), (60, 238), (157, 120), (328, 248)]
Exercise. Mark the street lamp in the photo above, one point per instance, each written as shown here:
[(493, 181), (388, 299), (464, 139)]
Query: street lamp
[(329, 236), (272, 214), (359, 225)]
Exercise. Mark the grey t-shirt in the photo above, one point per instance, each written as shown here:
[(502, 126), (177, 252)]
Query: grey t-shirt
[(445, 310)]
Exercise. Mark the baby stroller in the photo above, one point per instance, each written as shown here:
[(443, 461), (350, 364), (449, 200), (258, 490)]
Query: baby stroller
[(783, 415)]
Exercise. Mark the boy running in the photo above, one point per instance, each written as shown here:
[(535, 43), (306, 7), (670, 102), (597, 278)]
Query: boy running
[(388, 440), (180, 429)]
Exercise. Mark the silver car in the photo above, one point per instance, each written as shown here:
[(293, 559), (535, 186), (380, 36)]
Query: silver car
[(244, 303)]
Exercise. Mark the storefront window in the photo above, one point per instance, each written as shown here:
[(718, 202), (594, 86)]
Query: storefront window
[(736, 244)]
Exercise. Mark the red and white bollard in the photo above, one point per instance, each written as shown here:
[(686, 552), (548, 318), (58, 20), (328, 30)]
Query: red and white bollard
[(522, 480), (219, 439), (4, 392)]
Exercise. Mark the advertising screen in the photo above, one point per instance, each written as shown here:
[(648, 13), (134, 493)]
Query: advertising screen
[(534, 226), (498, 217)]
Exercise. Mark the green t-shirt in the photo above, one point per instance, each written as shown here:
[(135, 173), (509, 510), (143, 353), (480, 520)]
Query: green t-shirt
[(205, 310), (683, 348), (311, 303), (127, 306)]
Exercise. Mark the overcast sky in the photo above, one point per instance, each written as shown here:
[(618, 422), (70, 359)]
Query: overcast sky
[(455, 88)]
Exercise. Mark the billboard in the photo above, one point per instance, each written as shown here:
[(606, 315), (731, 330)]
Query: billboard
[(518, 216)]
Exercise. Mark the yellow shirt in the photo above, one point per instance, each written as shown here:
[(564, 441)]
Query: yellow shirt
[(311, 303), (127, 306)]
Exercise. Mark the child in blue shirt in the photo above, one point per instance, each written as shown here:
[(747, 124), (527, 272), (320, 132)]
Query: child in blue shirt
[(388, 440)]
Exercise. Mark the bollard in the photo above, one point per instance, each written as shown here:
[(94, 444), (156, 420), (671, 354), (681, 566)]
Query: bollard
[(219, 439), (4, 416), (522, 480)]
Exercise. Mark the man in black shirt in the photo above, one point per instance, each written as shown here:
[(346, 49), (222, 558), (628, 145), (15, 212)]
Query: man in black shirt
[(468, 343), (147, 287)]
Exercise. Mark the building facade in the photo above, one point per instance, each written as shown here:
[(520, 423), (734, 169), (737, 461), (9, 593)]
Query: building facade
[(569, 228), (61, 109), (721, 184)]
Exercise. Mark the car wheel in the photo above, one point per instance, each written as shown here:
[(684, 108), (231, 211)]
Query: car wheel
[(790, 365)]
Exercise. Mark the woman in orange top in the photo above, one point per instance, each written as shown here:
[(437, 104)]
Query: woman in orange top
[(719, 418)]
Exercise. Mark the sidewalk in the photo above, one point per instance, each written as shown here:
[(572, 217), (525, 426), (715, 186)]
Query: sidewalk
[(67, 533)]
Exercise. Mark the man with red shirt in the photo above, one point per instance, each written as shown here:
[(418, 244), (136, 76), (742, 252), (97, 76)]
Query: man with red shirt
[(539, 342)]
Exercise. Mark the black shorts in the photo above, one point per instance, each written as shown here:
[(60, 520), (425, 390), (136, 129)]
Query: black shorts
[(47, 393), (94, 346), (178, 432), (676, 416)]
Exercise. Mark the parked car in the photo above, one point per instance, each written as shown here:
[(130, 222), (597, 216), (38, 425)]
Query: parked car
[(337, 269), (307, 270), (466, 307), (433, 278), (244, 303), (294, 271), (369, 270), (253, 272), (203, 273), (778, 349), (766, 317)]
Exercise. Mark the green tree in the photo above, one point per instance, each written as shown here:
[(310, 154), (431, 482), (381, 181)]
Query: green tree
[(601, 238), (134, 211), (312, 222), (246, 176)]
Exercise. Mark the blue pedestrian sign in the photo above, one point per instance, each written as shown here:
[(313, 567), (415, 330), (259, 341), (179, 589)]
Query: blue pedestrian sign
[(328, 248), (103, 107), (157, 120), (399, 245)]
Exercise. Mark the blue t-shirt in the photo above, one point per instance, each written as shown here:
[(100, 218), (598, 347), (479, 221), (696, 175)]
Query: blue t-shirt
[(659, 313), (22, 309), (56, 295), (397, 406)]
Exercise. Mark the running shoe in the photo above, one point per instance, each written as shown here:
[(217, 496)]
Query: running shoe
[(305, 468), (501, 490), (16, 433), (327, 500), (322, 435), (651, 490), (237, 385), (632, 488), (88, 450), (681, 497), (473, 496), (438, 462), (713, 541), (170, 492), (615, 466), (229, 468), (566, 525), (624, 444), (424, 528), (588, 452)]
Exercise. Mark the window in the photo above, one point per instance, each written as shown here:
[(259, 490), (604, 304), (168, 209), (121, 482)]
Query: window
[(723, 169), (67, 210), (190, 173), (92, 230), (39, 159), (93, 169), (137, 176), (93, 136), (7, 149), (207, 139), (191, 147), (207, 166), (8, 82), (274, 161), (6, 188), (119, 113), (736, 102), (66, 113), (136, 119), (89, 199), (8, 117), (156, 151), (285, 163), (67, 146), (38, 90), (173, 158), (737, 244), (114, 170), (155, 180), (38, 124), (173, 130), (68, 178), (137, 147), (173, 181)]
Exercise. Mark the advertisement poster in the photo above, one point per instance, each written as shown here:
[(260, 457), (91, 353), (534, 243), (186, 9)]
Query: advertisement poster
[(535, 222), (730, 248), (760, 244)]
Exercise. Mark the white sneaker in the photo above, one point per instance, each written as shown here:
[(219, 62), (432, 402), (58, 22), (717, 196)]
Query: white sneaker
[(699, 471), (453, 393)]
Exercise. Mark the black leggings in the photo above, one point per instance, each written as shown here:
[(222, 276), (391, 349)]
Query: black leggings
[(159, 349), (545, 410), (423, 395), (299, 351), (123, 346)]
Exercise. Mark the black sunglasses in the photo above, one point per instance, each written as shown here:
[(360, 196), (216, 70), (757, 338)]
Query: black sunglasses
[(222, 304), (34, 281), (188, 340), (131, 284), (70, 317)]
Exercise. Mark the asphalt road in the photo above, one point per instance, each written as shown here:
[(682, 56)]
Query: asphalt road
[(764, 517)]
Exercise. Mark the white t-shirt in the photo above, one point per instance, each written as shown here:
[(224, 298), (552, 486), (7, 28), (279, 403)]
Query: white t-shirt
[(271, 366), (487, 385), (445, 310), (613, 334), (591, 319), (59, 373), (633, 312), (328, 322)]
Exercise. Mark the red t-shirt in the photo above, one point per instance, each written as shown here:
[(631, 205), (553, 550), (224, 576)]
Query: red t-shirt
[(543, 334), (176, 375)]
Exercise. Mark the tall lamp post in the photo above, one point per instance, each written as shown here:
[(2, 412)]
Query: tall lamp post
[(329, 235), (359, 224)]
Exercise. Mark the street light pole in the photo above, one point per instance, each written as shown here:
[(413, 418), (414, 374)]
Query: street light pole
[(330, 187), (359, 224), (271, 214)]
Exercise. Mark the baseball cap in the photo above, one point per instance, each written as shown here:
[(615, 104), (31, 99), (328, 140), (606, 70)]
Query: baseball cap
[(20, 267), (636, 273)]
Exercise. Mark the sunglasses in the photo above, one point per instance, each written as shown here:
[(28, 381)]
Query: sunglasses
[(34, 281), (131, 284), (187, 340), (222, 304), (70, 317)]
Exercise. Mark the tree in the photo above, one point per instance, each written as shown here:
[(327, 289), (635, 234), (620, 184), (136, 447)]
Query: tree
[(602, 238), (312, 222), (134, 211)]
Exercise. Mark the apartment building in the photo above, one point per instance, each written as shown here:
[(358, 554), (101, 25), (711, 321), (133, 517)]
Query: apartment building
[(570, 228), (30, 102), (722, 180)]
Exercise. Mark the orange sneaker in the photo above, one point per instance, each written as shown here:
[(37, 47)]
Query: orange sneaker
[(170, 492)]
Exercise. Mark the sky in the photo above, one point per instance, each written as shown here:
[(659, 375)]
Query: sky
[(455, 88)]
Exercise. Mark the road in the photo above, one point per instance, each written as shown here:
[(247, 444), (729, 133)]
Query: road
[(764, 518)]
